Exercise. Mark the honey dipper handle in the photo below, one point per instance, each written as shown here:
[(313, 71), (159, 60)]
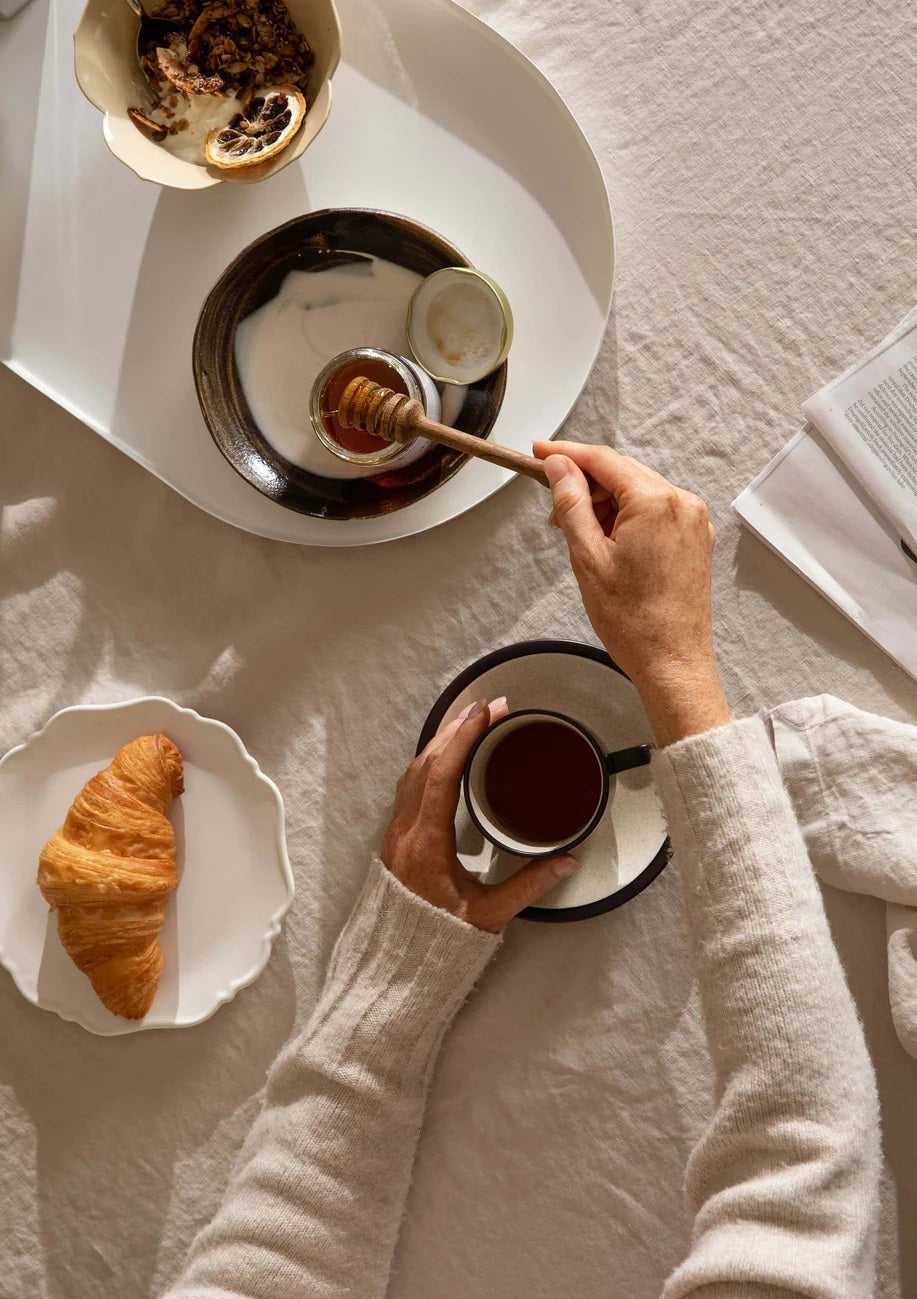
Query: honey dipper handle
[(390, 415), (506, 457)]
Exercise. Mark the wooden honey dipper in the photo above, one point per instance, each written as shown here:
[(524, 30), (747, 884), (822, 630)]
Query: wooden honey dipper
[(395, 417)]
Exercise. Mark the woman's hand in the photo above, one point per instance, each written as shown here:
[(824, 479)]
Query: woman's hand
[(419, 845), (641, 551)]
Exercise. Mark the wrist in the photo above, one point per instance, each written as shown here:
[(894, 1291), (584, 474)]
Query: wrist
[(683, 698)]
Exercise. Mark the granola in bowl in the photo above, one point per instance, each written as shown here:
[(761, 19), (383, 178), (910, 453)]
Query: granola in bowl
[(209, 69)]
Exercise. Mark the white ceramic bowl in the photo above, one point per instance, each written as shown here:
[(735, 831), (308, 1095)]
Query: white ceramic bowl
[(235, 883), (105, 60)]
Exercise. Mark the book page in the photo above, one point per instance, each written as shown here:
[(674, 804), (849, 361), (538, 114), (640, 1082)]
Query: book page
[(886, 419), (869, 418), (808, 508)]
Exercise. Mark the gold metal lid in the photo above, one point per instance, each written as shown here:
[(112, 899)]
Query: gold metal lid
[(433, 360)]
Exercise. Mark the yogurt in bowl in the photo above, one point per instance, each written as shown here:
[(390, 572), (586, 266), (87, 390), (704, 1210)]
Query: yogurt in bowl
[(282, 348)]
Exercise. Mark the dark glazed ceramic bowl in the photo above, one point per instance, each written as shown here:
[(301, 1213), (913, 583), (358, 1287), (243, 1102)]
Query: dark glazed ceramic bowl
[(321, 239)]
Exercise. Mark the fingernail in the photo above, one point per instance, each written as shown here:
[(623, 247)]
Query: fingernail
[(566, 866), (464, 713), (556, 467), (475, 709), (552, 520), (498, 703)]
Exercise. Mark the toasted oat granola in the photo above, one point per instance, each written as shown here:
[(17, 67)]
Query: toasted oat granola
[(226, 47)]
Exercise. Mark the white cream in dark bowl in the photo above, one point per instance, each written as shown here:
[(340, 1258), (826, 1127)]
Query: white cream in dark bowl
[(283, 346), (249, 415)]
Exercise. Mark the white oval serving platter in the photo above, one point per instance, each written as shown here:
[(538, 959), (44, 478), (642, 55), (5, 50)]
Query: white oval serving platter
[(235, 883), (435, 116)]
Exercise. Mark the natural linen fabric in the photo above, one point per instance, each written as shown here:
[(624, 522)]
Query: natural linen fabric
[(853, 781), (783, 1185), (761, 162)]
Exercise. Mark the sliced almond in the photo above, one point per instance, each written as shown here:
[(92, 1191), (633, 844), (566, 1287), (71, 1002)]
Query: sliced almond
[(153, 130)]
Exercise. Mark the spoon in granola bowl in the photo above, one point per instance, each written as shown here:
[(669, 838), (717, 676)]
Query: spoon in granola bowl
[(149, 33), (147, 22)]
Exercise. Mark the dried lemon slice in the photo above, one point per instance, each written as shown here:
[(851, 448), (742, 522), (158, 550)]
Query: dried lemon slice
[(264, 127)]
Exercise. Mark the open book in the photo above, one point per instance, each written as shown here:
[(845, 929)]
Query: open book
[(869, 418), (840, 504)]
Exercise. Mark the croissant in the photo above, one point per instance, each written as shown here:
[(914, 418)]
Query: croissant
[(108, 872)]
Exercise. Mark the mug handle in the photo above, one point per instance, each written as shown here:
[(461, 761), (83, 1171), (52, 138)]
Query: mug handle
[(627, 759)]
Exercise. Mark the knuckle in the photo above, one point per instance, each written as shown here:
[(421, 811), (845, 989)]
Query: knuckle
[(605, 458), (696, 508), (437, 775), (662, 495), (532, 887), (565, 501), (443, 773), (634, 468)]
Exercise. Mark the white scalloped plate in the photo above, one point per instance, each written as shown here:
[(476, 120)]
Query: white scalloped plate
[(235, 883)]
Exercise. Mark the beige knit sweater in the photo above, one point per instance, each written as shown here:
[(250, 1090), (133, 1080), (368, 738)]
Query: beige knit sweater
[(782, 1187)]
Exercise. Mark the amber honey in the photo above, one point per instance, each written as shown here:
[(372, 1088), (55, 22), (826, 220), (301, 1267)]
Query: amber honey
[(353, 439)]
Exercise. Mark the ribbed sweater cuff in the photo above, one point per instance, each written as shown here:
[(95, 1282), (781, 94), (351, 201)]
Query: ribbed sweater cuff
[(412, 941), (731, 821), (714, 785), (713, 755), (400, 971), (749, 891)]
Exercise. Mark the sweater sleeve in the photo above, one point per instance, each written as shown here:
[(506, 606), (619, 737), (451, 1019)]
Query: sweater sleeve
[(316, 1199), (783, 1185)]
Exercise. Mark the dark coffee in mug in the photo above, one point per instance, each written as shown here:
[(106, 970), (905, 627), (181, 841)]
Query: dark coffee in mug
[(543, 782)]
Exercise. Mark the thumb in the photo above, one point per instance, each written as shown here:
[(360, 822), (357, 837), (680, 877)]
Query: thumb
[(573, 507), (525, 888)]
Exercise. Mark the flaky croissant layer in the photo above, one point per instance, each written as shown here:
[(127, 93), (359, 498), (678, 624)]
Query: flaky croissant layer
[(108, 872)]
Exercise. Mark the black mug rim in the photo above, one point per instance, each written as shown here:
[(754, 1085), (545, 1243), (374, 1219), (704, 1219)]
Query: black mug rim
[(568, 844)]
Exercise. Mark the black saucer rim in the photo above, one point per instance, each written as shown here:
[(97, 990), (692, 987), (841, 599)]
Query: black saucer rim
[(496, 658)]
